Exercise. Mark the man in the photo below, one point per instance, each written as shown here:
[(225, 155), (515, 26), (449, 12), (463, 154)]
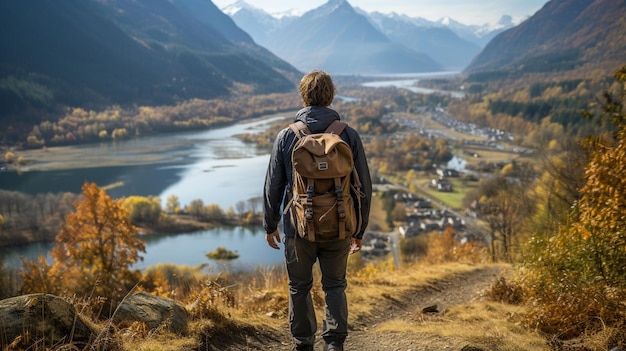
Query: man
[(317, 91)]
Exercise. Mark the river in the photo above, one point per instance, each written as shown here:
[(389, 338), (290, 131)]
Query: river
[(214, 166)]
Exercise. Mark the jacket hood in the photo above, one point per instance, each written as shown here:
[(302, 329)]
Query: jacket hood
[(317, 118)]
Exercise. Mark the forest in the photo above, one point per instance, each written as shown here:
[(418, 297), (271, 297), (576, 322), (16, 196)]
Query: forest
[(557, 217)]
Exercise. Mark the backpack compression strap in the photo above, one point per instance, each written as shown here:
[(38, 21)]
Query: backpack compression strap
[(341, 210)]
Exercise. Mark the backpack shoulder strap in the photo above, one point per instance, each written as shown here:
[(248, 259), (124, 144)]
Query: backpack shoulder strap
[(336, 127), (300, 129)]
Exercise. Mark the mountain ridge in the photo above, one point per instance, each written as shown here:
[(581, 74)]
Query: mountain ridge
[(563, 35), (100, 52), (335, 37), (435, 46)]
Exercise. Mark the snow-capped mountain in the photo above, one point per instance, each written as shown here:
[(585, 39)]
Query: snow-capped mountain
[(439, 42), (451, 44), (334, 37), (479, 34)]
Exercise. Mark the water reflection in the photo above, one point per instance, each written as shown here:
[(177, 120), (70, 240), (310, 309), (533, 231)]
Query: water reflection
[(191, 249)]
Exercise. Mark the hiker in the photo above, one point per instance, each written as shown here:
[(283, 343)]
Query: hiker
[(317, 91)]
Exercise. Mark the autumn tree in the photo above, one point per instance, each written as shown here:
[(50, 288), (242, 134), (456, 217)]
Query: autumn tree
[(215, 213), (504, 204), (240, 207), (196, 209), (577, 278), (172, 204), (94, 251), (143, 210), (9, 157)]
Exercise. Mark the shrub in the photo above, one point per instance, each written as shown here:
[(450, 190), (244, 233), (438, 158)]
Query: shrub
[(221, 253), (506, 292)]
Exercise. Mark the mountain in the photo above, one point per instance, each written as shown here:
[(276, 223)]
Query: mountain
[(261, 26), (451, 44), (336, 38), (93, 53), (563, 35), (440, 43), (478, 34)]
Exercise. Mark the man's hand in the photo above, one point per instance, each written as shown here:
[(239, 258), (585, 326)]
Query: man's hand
[(273, 239), (356, 245)]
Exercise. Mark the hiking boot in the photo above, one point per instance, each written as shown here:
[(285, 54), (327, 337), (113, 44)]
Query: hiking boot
[(304, 348), (333, 348)]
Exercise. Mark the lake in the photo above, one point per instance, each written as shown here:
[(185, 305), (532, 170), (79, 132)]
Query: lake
[(214, 166)]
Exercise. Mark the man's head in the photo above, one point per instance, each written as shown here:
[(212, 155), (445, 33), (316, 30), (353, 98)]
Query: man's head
[(317, 89)]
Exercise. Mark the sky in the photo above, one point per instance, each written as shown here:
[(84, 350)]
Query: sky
[(465, 11)]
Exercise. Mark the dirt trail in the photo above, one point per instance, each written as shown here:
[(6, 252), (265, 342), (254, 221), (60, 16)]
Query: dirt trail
[(458, 289)]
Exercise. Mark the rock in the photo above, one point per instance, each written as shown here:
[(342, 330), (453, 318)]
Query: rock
[(471, 348), (42, 318), (430, 309), (154, 311)]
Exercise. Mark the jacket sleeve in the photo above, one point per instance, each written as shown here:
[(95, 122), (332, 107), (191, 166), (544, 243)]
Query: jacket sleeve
[(275, 184), (360, 164)]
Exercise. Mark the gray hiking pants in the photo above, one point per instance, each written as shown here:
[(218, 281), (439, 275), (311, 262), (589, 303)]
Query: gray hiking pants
[(300, 256)]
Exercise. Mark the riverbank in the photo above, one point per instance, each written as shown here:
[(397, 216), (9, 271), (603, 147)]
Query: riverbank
[(138, 151)]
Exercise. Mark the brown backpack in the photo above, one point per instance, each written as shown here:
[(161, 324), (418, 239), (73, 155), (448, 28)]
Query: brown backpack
[(322, 206)]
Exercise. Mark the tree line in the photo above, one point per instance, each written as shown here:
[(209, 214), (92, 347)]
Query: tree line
[(78, 125), (37, 218)]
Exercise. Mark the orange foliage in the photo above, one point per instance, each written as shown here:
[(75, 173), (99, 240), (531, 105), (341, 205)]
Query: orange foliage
[(444, 247), (93, 253)]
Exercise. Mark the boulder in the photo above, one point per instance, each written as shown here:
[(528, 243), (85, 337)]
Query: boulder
[(42, 319), (154, 311)]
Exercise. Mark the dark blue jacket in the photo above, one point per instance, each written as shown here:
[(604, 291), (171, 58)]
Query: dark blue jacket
[(279, 176)]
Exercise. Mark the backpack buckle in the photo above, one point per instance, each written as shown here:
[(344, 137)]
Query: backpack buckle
[(341, 212), (339, 191)]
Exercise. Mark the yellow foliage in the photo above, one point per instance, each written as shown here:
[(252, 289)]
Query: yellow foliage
[(142, 210), (93, 253), (9, 157), (444, 247), (576, 274), (507, 169)]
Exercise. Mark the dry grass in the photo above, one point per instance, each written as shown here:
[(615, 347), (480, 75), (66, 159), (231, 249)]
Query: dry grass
[(385, 303), (492, 326)]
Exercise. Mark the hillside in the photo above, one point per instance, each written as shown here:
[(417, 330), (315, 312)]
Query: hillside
[(98, 53), (387, 315), (565, 35)]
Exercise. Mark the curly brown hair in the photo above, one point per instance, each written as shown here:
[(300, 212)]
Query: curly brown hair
[(317, 89)]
